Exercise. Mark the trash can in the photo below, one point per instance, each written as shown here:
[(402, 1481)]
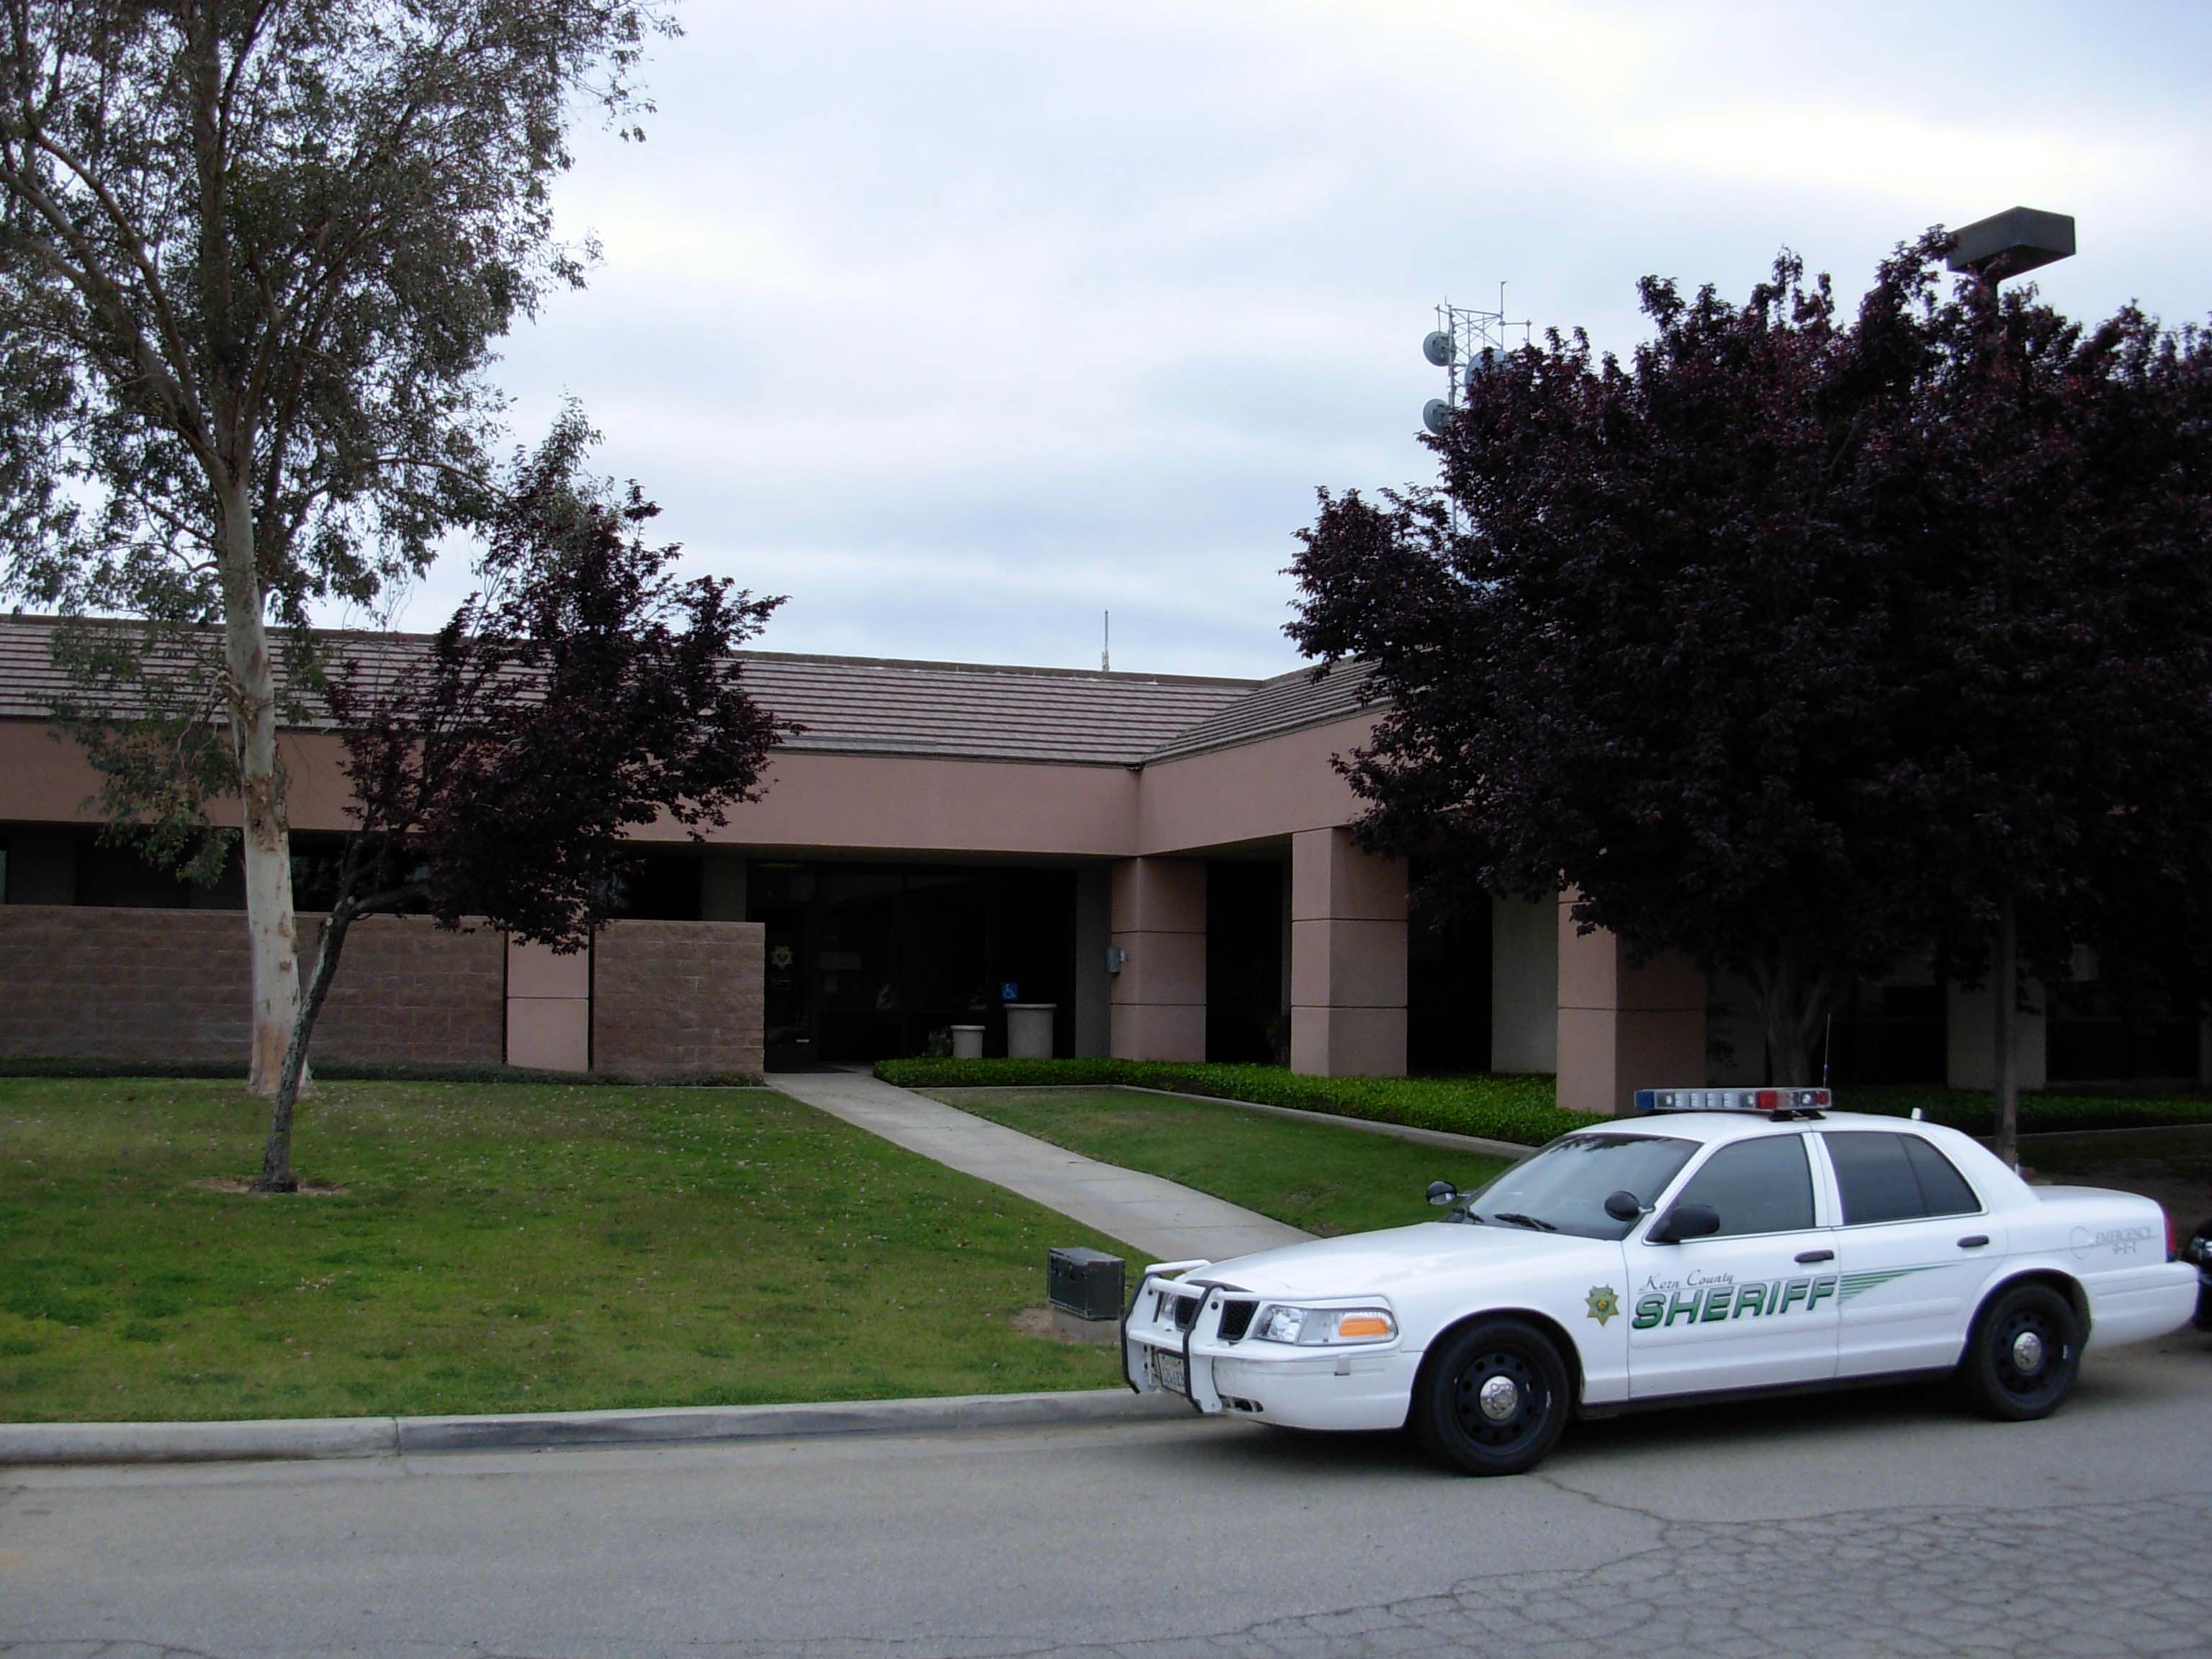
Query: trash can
[(967, 1042), (1028, 1030)]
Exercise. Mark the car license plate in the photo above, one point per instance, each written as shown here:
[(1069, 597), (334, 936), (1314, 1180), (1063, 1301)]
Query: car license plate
[(1168, 1372)]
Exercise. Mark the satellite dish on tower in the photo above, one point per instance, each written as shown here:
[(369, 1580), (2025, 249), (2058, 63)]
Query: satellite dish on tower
[(1468, 344)]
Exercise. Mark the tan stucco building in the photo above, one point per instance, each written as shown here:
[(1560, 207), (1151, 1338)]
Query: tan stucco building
[(1165, 860)]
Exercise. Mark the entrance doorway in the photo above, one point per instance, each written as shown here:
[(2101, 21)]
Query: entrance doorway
[(871, 962)]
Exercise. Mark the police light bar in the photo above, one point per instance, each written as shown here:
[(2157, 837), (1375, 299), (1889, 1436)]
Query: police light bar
[(1732, 1100)]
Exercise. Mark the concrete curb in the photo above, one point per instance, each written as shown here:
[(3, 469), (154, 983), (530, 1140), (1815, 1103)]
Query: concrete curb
[(280, 1439), (193, 1443)]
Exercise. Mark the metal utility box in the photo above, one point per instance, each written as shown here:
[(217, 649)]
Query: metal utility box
[(1086, 1282)]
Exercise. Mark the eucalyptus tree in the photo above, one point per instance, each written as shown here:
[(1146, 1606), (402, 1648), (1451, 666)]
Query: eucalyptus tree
[(254, 255)]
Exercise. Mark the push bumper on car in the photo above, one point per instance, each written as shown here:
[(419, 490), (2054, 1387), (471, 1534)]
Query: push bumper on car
[(1191, 1358)]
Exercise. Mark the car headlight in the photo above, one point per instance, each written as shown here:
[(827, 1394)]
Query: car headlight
[(1319, 1328)]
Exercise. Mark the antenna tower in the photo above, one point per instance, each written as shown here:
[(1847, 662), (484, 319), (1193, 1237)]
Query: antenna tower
[(1466, 342)]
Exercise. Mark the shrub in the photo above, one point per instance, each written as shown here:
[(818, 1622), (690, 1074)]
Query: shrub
[(1521, 1110), (1514, 1108)]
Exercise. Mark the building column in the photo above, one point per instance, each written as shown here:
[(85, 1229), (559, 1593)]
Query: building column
[(1524, 985), (1157, 1006), (1970, 1038), (1094, 936), (549, 1008), (1621, 1027), (1347, 958)]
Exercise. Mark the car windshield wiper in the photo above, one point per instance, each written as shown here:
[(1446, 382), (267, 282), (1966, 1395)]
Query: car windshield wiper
[(1521, 1220)]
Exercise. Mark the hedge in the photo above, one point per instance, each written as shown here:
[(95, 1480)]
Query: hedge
[(1974, 1111), (1516, 1108), (1522, 1109)]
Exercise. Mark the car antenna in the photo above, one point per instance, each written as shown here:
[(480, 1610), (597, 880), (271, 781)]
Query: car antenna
[(1828, 1046)]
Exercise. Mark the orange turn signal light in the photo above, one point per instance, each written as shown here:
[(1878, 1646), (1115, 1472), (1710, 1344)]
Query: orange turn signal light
[(1362, 1324)]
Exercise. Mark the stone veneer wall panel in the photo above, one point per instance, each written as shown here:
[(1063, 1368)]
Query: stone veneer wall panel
[(78, 983), (677, 998), (409, 993)]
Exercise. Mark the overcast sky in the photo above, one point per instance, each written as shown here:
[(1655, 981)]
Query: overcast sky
[(963, 323)]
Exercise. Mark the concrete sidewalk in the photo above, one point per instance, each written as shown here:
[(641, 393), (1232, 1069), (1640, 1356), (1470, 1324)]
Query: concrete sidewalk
[(1167, 1222)]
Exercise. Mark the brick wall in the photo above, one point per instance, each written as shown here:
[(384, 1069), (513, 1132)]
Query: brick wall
[(84, 983), (407, 992), (676, 999), (79, 983)]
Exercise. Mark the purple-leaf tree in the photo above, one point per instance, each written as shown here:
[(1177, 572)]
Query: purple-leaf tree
[(585, 691), (1795, 641)]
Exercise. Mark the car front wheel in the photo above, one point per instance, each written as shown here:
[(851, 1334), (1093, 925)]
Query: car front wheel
[(1493, 1399), (2024, 1354)]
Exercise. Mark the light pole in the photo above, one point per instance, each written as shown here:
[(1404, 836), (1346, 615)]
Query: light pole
[(2006, 245)]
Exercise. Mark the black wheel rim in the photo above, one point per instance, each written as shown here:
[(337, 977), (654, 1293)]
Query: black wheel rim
[(1532, 1401), (2027, 1333)]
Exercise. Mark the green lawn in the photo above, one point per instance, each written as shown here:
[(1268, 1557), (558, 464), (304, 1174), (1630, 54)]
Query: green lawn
[(497, 1248), (2174, 1166), (1315, 1176)]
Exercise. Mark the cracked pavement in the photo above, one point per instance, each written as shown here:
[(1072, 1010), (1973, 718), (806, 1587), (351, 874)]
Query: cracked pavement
[(1885, 1523)]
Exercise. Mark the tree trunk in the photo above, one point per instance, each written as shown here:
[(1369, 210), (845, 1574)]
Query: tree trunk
[(277, 1175), (267, 841), (2005, 989), (1794, 1009)]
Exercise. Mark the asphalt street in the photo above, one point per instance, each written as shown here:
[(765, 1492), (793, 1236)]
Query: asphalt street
[(1885, 1523)]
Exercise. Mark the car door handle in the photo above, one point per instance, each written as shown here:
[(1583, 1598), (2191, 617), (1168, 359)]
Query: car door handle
[(1973, 1241), (1816, 1255)]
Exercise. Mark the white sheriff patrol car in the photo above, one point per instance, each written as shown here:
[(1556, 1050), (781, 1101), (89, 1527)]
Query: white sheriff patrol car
[(1724, 1242)]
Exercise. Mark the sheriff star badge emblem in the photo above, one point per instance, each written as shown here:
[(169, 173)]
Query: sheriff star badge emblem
[(1604, 1302)]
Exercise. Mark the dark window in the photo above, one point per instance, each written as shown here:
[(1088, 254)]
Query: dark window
[(1893, 1177), (1943, 1188), (1763, 1186), (657, 887)]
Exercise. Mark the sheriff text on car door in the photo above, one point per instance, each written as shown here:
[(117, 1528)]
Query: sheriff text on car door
[(1751, 1305)]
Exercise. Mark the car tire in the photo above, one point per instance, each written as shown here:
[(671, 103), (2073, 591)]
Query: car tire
[(1466, 1420), (2024, 1354)]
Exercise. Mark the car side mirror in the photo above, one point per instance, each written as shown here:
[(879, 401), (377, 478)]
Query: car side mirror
[(1685, 1221), (1442, 1195), (1623, 1205)]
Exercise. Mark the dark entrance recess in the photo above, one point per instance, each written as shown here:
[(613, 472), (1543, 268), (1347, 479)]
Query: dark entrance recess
[(1245, 1019), (1889, 1032), (2129, 1019), (865, 962), (1448, 988)]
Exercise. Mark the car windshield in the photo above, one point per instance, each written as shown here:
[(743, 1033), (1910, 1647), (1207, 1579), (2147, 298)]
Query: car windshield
[(1562, 1188)]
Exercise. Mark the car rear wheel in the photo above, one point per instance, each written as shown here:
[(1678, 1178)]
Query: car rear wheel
[(1493, 1399), (2026, 1351)]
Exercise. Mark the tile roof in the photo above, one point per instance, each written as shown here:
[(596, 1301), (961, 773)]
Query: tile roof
[(1303, 697), (857, 705)]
